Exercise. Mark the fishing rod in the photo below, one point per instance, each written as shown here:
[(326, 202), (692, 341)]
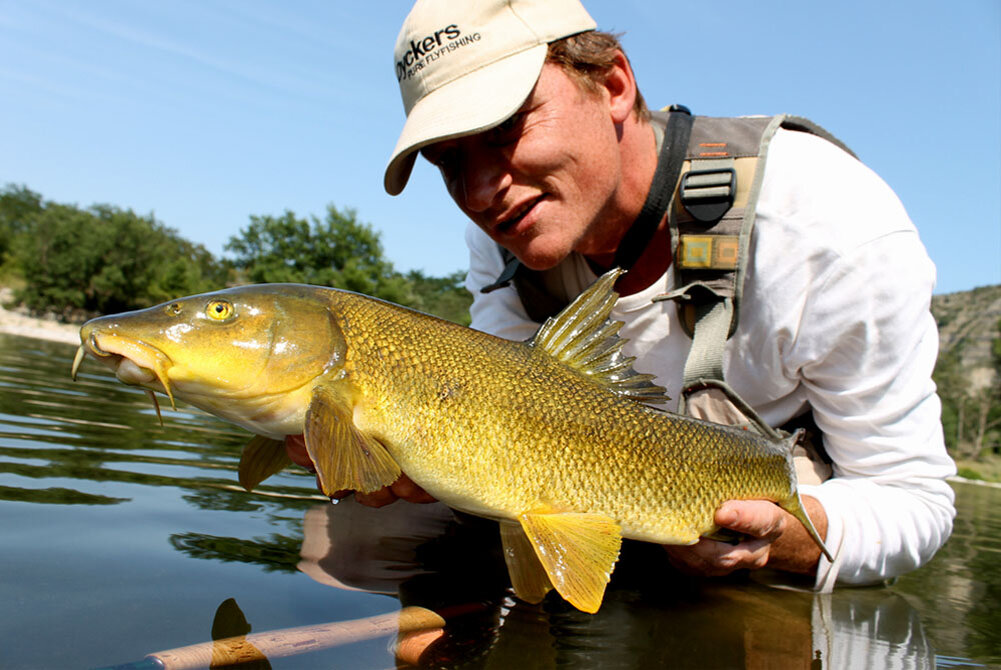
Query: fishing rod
[(287, 641)]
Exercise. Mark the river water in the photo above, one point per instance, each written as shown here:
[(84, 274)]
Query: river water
[(120, 537)]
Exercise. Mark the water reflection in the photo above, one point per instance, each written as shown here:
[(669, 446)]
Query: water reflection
[(960, 590), (275, 553), (97, 430), (230, 622), (651, 617)]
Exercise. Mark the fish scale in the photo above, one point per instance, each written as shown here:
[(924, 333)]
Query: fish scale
[(562, 442)]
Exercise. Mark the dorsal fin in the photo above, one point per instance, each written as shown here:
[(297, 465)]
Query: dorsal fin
[(583, 337)]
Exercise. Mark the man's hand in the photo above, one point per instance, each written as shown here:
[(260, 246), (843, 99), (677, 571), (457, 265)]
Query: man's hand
[(403, 488), (775, 538)]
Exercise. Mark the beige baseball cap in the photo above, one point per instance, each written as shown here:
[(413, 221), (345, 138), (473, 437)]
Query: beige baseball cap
[(465, 66)]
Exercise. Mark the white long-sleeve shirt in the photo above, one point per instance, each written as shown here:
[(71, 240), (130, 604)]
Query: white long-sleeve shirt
[(835, 315)]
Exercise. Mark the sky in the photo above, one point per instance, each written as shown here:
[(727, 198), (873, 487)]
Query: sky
[(205, 112)]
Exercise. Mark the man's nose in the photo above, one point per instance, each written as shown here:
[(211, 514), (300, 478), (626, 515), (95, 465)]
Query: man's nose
[(483, 179)]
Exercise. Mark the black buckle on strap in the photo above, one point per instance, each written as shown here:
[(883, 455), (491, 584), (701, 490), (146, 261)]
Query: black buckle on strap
[(708, 194)]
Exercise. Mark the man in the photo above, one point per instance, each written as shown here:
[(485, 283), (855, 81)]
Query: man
[(543, 140)]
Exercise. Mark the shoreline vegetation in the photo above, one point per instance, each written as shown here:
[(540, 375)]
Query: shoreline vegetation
[(976, 482)]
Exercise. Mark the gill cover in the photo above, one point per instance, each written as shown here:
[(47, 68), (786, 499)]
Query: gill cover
[(256, 340)]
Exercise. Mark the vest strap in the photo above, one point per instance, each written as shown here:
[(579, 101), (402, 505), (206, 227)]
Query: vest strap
[(507, 274), (712, 323), (669, 163)]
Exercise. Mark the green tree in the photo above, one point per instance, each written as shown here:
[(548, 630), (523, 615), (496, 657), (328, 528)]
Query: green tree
[(337, 251), (445, 297), (971, 418), (18, 208), (108, 260), (990, 427), (951, 384), (104, 259)]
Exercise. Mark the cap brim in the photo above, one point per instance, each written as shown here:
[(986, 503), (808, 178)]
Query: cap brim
[(472, 103)]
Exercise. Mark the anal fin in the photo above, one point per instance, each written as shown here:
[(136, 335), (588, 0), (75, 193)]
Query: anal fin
[(528, 576), (345, 457), (578, 552)]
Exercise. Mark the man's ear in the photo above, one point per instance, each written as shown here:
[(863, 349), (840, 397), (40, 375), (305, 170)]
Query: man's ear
[(620, 83)]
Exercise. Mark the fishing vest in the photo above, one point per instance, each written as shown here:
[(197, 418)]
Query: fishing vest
[(711, 218)]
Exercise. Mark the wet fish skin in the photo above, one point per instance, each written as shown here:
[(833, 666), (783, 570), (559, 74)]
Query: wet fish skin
[(553, 437), (255, 367)]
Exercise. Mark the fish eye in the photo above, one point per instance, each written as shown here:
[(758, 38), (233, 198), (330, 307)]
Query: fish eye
[(219, 310), (173, 309)]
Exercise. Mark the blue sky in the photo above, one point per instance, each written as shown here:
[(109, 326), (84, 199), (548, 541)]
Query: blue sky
[(205, 112)]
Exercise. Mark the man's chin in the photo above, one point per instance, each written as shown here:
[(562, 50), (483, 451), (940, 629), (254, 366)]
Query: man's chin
[(540, 262), (538, 257)]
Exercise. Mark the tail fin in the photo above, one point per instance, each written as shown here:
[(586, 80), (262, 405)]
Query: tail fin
[(794, 504)]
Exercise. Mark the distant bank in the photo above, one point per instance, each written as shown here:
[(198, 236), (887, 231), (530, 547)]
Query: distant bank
[(15, 321)]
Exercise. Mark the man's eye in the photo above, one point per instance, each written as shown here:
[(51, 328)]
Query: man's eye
[(442, 160), (434, 156), (508, 130), (510, 123)]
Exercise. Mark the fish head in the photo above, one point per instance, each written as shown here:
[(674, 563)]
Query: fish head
[(240, 347)]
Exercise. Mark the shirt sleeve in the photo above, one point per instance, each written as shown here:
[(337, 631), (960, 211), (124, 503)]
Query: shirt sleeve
[(864, 349), (870, 388)]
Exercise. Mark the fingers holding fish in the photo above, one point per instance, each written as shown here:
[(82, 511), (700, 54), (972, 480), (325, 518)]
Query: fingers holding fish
[(711, 558), (405, 489), (759, 521), (295, 447), (772, 535), (402, 489)]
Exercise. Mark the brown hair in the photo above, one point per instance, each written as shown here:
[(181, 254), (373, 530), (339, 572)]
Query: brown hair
[(587, 58)]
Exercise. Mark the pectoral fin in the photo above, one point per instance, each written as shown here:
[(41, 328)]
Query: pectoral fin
[(528, 577), (578, 552), (261, 458), (345, 457)]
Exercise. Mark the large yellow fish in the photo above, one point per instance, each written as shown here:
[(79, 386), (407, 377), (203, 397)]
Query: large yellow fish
[(553, 437)]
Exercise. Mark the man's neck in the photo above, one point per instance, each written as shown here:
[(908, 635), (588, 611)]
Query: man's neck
[(639, 161)]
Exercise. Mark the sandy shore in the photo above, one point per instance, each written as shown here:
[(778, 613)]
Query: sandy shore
[(19, 322)]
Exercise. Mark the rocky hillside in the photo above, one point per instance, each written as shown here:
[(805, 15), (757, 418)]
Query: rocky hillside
[(968, 322)]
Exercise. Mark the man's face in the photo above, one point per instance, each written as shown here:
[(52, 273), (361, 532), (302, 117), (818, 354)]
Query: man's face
[(543, 183)]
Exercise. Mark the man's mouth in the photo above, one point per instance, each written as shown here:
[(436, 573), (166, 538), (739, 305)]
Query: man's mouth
[(509, 224)]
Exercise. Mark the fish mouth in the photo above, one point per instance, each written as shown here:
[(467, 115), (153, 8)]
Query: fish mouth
[(135, 363)]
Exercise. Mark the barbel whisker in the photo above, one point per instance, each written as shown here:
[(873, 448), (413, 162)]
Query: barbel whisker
[(156, 405), (81, 353)]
